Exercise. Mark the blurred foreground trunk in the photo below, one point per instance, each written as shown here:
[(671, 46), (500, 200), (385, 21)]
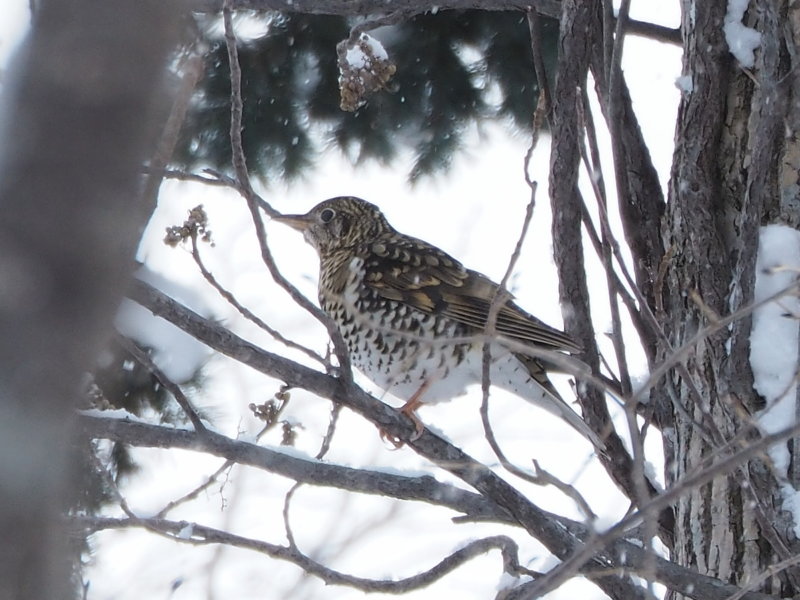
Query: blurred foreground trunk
[(81, 102)]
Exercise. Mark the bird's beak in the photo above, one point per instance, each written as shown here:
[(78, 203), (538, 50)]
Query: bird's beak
[(299, 222)]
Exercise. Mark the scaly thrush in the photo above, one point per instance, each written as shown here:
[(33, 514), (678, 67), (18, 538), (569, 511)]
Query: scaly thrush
[(398, 302)]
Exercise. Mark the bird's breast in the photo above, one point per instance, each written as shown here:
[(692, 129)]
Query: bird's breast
[(395, 345)]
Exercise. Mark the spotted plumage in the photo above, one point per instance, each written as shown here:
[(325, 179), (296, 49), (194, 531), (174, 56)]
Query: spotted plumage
[(411, 315)]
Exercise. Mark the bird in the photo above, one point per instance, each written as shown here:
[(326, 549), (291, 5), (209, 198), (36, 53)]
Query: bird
[(413, 317)]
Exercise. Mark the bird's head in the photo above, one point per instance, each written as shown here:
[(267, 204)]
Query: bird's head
[(339, 223)]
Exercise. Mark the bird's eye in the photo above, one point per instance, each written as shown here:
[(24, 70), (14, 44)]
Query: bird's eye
[(326, 216)]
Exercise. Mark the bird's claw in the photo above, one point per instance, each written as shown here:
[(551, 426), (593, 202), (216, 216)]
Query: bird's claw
[(419, 429)]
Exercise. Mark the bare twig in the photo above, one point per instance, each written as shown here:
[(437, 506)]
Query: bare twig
[(326, 444), (144, 359), (244, 311), (336, 409), (594, 171), (641, 487), (180, 175), (111, 485), (225, 467), (200, 535), (541, 476), (433, 447), (545, 97), (768, 573), (544, 477), (246, 189), (195, 493)]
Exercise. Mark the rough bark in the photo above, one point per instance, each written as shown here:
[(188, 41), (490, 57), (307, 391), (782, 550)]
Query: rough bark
[(724, 185)]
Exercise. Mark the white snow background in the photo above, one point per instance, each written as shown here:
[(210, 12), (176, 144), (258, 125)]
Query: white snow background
[(774, 344), (474, 213)]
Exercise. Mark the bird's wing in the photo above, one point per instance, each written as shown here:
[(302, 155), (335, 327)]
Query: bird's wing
[(414, 272)]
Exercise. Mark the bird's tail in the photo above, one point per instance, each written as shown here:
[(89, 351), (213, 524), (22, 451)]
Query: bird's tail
[(554, 403)]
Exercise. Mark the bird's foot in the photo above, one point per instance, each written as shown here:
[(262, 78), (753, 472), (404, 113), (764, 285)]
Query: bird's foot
[(409, 409), (395, 441)]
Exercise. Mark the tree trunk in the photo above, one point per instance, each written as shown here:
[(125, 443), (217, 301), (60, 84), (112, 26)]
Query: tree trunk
[(726, 183), (77, 126)]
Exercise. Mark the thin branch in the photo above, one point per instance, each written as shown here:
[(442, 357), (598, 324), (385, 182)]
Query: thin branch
[(144, 359), (200, 535), (640, 198), (244, 311), (336, 409), (501, 296), (180, 175), (246, 189), (110, 484), (642, 487), (195, 493), (619, 287), (225, 467), (768, 573), (326, 444), (553, 532), (423, 489), (595, 173), (540, 478), (575, 55), (544, 477), (545, 96), (237, 106), (615, 67)]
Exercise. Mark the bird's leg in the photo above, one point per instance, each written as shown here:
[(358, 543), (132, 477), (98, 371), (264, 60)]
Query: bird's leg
[(409, 409)]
